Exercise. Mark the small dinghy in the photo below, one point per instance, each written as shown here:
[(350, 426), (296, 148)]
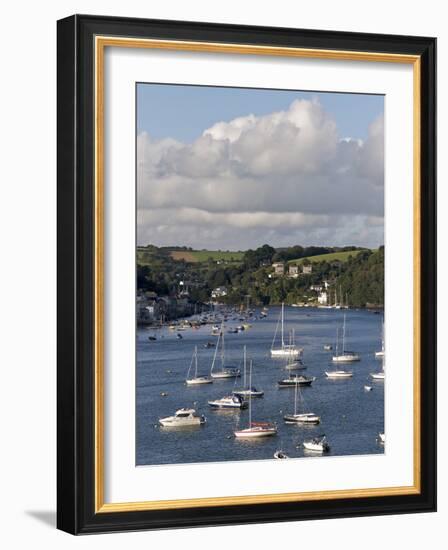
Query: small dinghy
[(382, 438), (368, 388), (280, 454), (328, 347)]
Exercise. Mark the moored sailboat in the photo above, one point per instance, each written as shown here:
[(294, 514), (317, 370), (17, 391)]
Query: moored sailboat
[(285, 349), (297, 379), (247, 390), (346, 356), (255, 429), (224, 372), (300, 417), (197, 379)]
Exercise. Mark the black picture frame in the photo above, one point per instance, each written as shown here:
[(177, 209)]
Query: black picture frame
[(76, 264)]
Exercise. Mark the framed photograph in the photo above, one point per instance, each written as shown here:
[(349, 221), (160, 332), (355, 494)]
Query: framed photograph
[(246, 266)]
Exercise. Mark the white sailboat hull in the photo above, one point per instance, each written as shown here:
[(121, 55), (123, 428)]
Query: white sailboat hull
[(346, 358), (251, 433), (304, 418), (378, 375), (225, 374), (198, 381), (338, 374), (286, 352), (379, 354)]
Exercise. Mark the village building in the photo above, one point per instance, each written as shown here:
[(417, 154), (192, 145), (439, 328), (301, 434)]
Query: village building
[(293, 271), (279, 268)]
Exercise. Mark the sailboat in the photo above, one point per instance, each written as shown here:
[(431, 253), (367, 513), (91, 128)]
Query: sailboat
[(196, 379), (247, 389), (225, 372), (345, 356), (255, 429), (380, 375), (303, 417), (285, 349), (380, 354), (297, 379)]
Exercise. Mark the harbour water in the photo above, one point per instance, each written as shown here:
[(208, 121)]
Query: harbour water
[(351, 418)]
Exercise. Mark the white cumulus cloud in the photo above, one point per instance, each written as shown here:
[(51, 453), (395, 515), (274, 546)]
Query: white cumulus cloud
[(284, 178)]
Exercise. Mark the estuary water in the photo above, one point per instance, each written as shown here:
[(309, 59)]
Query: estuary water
[(351, 417)]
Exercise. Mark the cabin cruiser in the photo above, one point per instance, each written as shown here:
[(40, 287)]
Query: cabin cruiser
[(182, 418), (229, 402), (317, 444)]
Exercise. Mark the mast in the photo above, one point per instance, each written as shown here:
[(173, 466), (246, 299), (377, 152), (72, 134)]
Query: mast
[(343, 336), (283, 314), (295, 398), (244, 368), (222, 346), (195, 361), (337, 342), (250, 395), (216, 352)]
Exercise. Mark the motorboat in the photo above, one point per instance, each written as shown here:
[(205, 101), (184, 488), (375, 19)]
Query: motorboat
[(338, 374), (196, 379), (382, 437), (285, 350), (317, 444), (368, 388), (182, 418), (229, 402), (328, 347)]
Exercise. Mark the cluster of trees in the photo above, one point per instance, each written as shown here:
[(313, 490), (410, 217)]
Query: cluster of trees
[(359, 280)]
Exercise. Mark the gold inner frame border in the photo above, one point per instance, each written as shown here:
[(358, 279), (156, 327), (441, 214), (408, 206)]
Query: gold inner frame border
[(101, 42)]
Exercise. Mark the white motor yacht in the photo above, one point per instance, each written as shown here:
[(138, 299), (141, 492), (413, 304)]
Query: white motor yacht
[(317, 444), (229, 402), (182, 418)]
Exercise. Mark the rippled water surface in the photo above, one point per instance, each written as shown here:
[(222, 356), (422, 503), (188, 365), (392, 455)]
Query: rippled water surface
[(351, 418)]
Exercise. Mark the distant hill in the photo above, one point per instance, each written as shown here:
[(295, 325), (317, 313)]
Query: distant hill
[(331, 257), (195, 256)]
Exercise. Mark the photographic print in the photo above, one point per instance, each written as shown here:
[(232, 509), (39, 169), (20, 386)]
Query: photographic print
[(260, 274)]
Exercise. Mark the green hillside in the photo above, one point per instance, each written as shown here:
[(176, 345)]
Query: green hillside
[(204, 255), (332, 257)]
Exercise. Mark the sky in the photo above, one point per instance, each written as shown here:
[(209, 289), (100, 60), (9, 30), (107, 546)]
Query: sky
[(231, 168)]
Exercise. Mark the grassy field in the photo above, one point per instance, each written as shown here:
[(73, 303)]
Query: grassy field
[(198, 256), (340, 256)]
